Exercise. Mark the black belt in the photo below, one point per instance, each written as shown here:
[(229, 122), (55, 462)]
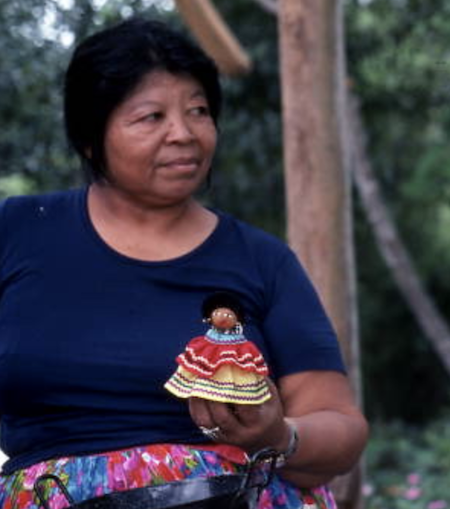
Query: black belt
[(234, 491)]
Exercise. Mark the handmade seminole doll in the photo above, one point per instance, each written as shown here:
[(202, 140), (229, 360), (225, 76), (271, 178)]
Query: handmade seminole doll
[(222, 365)]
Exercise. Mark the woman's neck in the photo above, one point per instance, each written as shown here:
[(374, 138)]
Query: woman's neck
[(118, 205), (145, 232)]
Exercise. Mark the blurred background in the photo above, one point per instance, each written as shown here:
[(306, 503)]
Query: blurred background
[(398, 60)]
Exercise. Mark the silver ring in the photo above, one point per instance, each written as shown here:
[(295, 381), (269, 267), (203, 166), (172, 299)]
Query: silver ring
[(212, 433)]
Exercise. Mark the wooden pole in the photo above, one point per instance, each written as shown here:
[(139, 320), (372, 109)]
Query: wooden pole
[(316, 176), (214, 36)]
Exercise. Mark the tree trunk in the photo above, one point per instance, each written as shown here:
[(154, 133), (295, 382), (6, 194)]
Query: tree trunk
[(316, 172), (391, 247)]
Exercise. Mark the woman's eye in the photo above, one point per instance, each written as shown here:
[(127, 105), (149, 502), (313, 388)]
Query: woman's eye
[(200, 111), (152, 117)]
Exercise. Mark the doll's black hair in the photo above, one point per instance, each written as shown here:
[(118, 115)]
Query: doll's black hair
[(223, 300)]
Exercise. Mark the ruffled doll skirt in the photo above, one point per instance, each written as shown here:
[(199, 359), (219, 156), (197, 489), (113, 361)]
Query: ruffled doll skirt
[(95, 475), (227, 371)]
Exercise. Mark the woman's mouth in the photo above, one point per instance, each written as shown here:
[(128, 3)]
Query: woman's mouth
[(182, 164)]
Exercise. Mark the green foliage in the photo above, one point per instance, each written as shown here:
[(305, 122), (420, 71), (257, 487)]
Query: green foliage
[(15, 184), (400, 67), (249, 170), (408, 468), (30, 70), (398, 57)]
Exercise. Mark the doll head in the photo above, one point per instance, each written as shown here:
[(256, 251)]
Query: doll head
[(223, 311)]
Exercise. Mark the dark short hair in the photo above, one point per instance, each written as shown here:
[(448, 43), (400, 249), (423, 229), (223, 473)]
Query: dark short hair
[(107, 66)]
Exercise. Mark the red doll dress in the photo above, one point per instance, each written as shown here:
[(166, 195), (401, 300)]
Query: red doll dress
[(221, 366)]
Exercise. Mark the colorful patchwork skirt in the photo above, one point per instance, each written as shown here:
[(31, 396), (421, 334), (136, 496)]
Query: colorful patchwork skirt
[(95, 475)]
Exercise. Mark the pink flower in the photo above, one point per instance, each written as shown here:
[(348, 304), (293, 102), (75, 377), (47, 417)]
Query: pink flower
[(413, 479), (437, 504), (367, 489), (412, 493)]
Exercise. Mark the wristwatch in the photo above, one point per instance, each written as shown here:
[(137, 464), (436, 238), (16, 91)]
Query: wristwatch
[(283, 456)]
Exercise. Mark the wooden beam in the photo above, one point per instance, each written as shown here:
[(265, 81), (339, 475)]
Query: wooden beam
[(317, 179), (214, 36)]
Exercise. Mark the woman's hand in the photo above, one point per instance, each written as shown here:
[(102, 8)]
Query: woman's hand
[(250, 427), (320, 404)]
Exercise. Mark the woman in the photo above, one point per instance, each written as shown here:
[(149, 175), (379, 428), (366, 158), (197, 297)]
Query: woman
[(101, 288)]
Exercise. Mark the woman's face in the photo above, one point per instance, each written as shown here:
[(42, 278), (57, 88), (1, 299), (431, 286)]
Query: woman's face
[(160, 141)]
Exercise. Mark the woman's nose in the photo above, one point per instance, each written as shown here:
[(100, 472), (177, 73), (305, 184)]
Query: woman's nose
[(179, 130)]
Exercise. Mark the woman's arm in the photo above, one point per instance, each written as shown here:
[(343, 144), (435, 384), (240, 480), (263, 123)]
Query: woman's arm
[(331, 429)]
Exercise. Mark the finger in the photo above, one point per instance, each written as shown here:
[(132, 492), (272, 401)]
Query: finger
[(247, 415), (223, 415), (200, 412), (273, 389), (252, 415)]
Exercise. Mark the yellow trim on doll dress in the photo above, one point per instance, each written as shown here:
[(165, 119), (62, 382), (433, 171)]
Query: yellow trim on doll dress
[(229, 384)]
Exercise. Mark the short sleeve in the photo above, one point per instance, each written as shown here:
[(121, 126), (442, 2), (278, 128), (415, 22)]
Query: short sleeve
[(3, 237), (298, 332)]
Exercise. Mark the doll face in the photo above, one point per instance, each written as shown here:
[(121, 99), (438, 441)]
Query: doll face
[(223, 318)]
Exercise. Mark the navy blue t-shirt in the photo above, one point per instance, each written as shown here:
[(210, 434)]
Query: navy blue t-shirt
[(88, 336)]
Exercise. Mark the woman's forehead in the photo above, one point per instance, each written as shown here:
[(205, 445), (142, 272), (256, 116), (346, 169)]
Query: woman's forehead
[(162, 79)]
